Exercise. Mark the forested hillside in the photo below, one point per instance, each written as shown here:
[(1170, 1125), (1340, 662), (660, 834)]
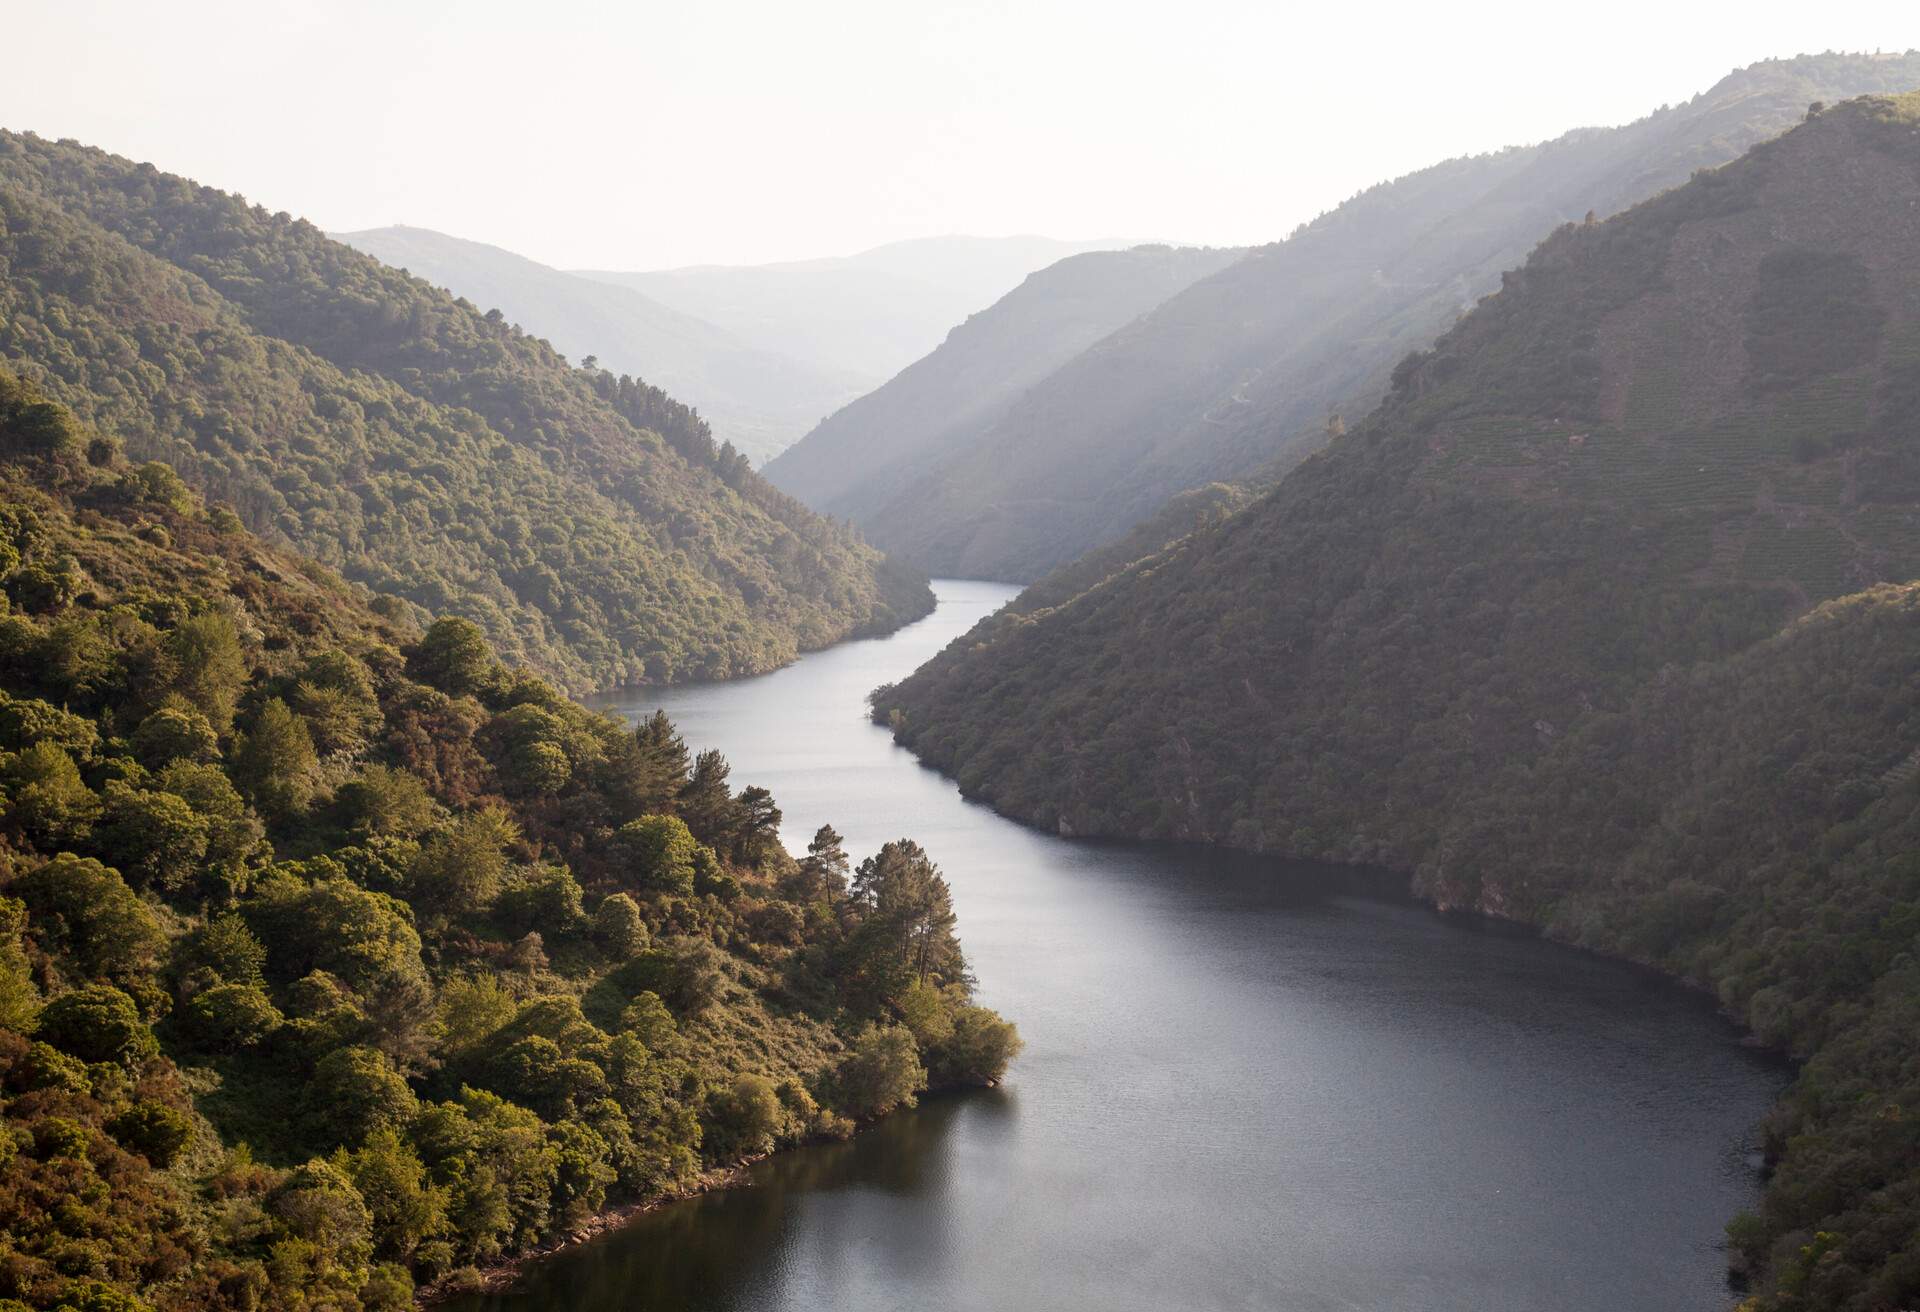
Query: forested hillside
[(761, 401), (859, 457), (428, 451), (1601, 621), (1242, 370), (336, 956)]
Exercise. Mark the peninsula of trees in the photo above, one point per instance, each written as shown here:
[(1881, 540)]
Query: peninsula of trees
[(338, 957)]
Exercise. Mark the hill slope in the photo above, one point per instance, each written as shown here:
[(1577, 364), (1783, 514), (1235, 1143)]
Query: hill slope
[(1540, 631), (868, 315), (418, 446), (861, 455), (759, 400), (1244, 367), (335, 956)]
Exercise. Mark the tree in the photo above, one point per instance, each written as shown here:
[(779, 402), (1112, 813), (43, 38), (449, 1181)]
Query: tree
[(881, 1072), (461, 869), (335, 698), (98, 1023), (209, 666), (224, 950), (759, 825), (743, 1118), (356, 1090), (275, 762), (178, 731), (86, 910), (235, 838), (153, 836), (707, 802), (154, 1130), (648, 768), (406, 1208), (823, 870), (618, 926), (904, 933), (659, 852), (978, 1049), (47, 799), (454, 657), (546, 898), (318, 1204), (232, 1017), (382, 800)]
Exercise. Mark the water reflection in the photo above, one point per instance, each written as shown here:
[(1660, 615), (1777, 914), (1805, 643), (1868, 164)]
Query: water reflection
[(1246, 1086)]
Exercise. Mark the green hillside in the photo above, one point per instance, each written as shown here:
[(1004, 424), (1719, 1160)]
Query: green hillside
[(1554, 629), (1238, 374), (336, 956), (421, 448), (859, 456)]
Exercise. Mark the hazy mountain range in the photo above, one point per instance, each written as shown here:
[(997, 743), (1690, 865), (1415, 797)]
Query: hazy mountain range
[(1238, 374)]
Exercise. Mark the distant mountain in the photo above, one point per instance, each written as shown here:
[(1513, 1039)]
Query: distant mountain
[(864, 454), (421, 448), (1603, 621), (1242, 369), (869, 315), (760, 400)]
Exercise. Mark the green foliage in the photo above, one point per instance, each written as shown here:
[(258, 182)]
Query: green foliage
[(659, 853), (275, 763), (586, 522), (395, 994), (155, 1130), (175, 732), (97, 1023), (880, 1073)]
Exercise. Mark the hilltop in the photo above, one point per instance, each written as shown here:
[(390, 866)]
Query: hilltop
[(424, 449), (1601, 621)]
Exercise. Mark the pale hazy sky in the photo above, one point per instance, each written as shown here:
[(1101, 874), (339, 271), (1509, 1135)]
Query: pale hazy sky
[(645, 134)]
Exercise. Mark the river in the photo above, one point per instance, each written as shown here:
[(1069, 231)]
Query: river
[(1245, 1085)]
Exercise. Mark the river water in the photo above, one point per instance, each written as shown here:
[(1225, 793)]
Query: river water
[(1245, 1085)]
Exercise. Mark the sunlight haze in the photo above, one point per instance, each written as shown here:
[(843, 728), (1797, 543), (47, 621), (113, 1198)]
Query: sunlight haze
[(651, 136)]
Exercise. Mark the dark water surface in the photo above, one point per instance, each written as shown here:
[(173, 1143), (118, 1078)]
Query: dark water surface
[(1243, 1088)]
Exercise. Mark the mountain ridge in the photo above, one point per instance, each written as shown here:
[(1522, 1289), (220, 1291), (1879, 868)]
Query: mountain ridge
[(405, 440), (1236, 376)]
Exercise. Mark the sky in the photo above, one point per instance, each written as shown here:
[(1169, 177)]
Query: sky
[(648, 135)]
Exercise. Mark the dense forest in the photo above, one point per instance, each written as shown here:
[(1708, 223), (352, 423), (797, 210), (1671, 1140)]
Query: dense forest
[(1600, 622), (338, 956), (883, 442), (1235, 377), (433, 453)]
